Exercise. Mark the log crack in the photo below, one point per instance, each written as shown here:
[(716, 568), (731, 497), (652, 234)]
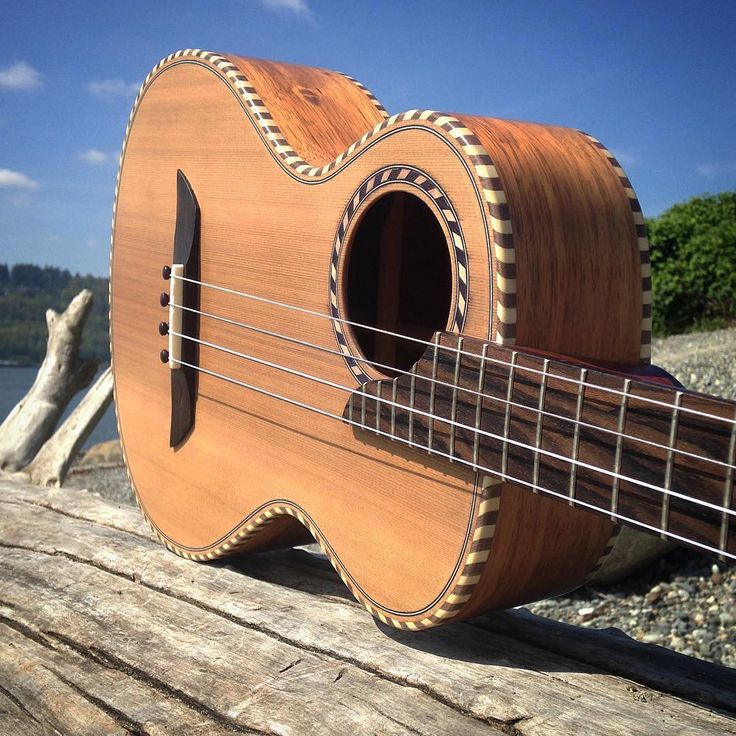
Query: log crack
[(97, 522), (123, 720), (429, 691), (49, 638), (18, 703)]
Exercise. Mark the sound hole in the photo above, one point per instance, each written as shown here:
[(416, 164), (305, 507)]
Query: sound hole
[(398, 279)]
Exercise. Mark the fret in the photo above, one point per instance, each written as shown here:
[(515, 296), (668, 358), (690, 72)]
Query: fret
[(433, 392), (674, 425), (601, 441), (540, 416), (379, 402), (479, 403), (412, 395), (507, 418), (728, 489), (453, 410), (576, 434), (619, 450), (350, 409)]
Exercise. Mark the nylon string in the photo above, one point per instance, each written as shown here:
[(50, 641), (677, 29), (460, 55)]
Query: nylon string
[(452, 422), (473, 466), (448, 348)]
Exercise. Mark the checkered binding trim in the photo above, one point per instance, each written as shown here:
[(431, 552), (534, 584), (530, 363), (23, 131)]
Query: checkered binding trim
[(407, 175), (495, 198), (451, 603), (641, 237), (474, 152)]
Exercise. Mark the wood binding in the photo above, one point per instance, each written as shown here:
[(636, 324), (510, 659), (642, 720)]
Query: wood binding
[(282, 159)]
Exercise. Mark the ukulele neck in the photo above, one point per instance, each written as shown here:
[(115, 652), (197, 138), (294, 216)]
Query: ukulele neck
[(632, 446)]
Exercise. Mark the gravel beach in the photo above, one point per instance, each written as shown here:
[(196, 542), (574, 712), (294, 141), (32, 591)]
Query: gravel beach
[(685, 601)]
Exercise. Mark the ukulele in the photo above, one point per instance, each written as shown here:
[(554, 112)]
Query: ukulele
[(421, 339)]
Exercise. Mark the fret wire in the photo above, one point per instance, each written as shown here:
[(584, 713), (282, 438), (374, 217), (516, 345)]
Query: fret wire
[(422, 342), (453, 410), (576, 435), (492, 435), (394, 388), (479, 403), (619, 448), (728, 490), (674, 426), (379, 401), (412, 396), (432, 392), (495, 473), (538, 438), (498, 399), (362, 404), (507, 417), (350, 408)]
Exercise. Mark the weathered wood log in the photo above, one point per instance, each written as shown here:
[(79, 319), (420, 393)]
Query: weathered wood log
[(59, 378), (110, 633), (50, 466)]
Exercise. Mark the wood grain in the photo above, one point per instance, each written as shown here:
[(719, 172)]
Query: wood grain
[(381, 513), (594, 438), (107, 633), (577, 259), (302, 97)]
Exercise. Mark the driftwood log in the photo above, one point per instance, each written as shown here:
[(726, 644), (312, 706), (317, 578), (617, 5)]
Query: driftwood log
[(59, 378), (103, 632), (52, 462)]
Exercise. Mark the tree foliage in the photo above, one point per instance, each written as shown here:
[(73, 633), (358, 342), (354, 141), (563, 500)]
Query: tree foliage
[(27, 291), (693, 252)]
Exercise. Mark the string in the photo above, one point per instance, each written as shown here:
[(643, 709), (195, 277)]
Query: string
[(460, 425), (429, 379), (448, 348), (473, 466)]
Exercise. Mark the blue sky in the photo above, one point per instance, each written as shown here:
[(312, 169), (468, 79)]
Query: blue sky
[(655, 81)]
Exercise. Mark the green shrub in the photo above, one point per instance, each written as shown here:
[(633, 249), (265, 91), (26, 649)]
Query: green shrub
[(693, 252)]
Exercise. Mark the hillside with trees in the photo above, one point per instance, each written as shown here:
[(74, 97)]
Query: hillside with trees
[(26, 292), (693, 253)]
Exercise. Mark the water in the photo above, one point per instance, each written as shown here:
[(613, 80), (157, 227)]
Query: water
[(15, 382)]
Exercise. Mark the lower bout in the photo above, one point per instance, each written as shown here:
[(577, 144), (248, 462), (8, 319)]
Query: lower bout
[(522, 547)]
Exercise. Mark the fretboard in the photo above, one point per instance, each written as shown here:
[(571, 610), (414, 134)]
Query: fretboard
[(654, 456)]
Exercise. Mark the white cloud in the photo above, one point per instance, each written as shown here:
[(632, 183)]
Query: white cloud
[(716, 171), (109, 88), (92, 243), (298, 7), (20, 76), (16, 180), (625, 159), (95, 157)]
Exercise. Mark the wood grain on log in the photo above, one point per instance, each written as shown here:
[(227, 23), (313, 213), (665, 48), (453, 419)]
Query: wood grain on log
[(110, 633), (59, 378)]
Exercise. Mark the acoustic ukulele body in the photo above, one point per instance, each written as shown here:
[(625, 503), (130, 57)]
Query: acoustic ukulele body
[(310, 195)]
